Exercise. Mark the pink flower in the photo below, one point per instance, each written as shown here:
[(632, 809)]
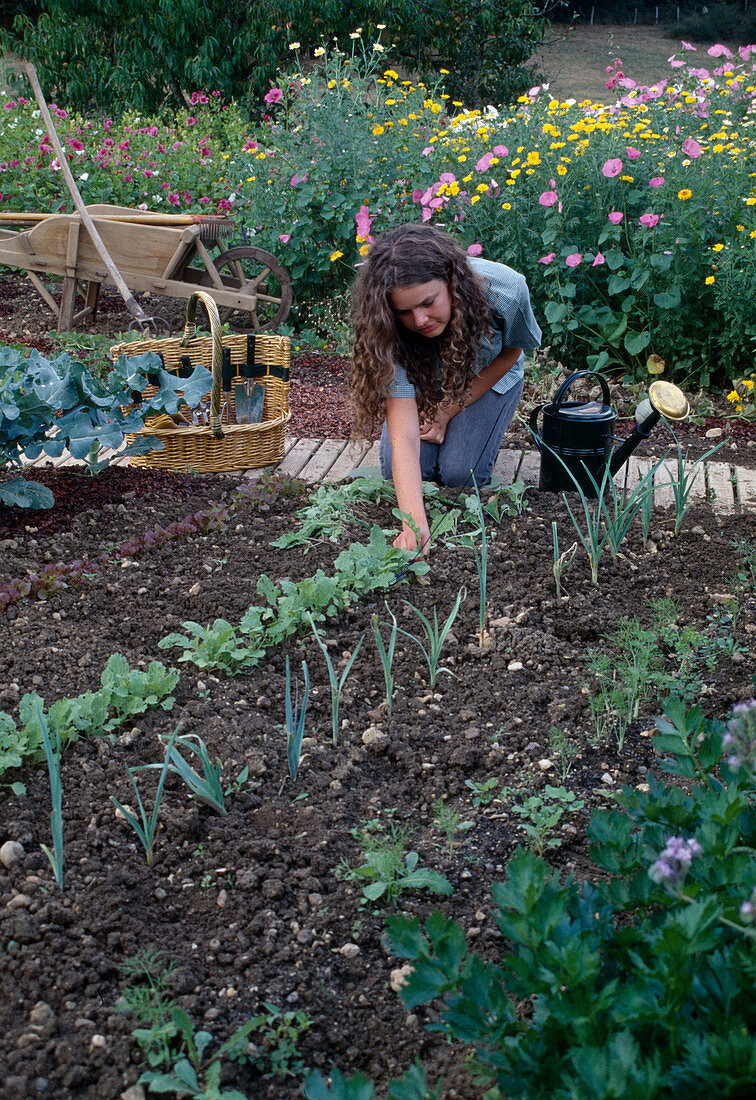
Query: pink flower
[(574, 260), (427, 213), (688, 46), (297, 178), (484, 163), (173, 199), (548, 198), (700, 74), (474, 249), (612, 167), (632, 154), (615, 217), (76, 145), (500, 151), (547, 259), (598, 261), (204, 200), (692, 148), (284, 238), (275, 95), (745, 52), (649, 220), (675, 63), (363, 221), (417, 194), (656, 181), (191, 121), (427, 151), (719, 51), (446, 177)]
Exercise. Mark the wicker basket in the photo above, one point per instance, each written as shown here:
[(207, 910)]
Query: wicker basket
[(219, 447)]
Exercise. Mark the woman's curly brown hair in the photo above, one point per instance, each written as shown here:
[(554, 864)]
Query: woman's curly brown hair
[(410, 255)]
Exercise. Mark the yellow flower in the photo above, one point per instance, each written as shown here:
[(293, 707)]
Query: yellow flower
[(483, 188), (336, 255), (506, 206), (684, 194), (391, 74), (444, 72), (467, 178), (561, 170), (462, 159), (740, 228), (717, 247), (364, 249), (751, 202), (474, 199), (733, 397), (709, 280), (377, 130)]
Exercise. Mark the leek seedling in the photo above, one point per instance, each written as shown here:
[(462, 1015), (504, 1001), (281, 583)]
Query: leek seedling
[(561, 561), (626, 507), (295, 719), (53, 755), (337, 686), (434, 636), (146, 828), (386, 656), (684, 479), (205, 788)]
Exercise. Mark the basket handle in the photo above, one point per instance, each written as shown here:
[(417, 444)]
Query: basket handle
[(190, 331)]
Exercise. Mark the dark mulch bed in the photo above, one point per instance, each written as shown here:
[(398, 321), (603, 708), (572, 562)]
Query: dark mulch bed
[(251, 906)]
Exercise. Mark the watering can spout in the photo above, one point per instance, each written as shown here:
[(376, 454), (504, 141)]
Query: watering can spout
[(664, 399)]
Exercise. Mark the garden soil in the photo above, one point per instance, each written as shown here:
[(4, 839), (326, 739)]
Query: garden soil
[(256, 906)]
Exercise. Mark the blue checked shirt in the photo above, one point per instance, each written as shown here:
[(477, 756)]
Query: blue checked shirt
[(512, 321)]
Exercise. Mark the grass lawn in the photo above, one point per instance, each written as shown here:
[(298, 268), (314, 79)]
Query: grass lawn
[(574, 59)]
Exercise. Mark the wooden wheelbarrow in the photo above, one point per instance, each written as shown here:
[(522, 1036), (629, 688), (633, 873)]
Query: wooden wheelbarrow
[(139, 251), (163, 254)]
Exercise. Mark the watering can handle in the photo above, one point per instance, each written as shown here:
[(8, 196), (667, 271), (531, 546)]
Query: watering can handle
[(605, 395), (534, 425)]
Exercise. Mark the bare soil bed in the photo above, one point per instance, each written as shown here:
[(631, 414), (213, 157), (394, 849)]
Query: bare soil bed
[(252, 907)]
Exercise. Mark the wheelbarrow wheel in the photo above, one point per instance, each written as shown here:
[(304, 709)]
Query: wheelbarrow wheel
[(259, 274)]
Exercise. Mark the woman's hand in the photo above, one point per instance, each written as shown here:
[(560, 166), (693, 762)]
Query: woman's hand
[(406, 539), (434, 430)]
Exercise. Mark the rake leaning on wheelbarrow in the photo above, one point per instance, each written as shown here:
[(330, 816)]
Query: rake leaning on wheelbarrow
[(134, 250)]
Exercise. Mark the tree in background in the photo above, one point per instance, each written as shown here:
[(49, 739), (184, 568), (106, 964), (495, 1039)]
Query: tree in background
[(119, 54)]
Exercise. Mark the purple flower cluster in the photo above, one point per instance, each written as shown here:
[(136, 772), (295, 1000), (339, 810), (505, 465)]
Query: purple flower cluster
[(672, 865), (740, 737)]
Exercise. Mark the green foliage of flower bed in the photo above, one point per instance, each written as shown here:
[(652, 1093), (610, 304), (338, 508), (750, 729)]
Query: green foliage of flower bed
[(634, 223)]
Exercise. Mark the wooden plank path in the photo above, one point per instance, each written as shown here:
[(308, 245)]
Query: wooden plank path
[(728, 488)]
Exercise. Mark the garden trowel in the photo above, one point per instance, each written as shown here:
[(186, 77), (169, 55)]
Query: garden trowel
[(249, 405)]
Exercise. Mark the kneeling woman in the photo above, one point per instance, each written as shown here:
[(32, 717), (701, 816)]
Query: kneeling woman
[(438, 352)]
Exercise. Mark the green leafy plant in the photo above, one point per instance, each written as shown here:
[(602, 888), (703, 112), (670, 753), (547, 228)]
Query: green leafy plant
[(216, 646), (481, 564), (274, 1037), (146, 827), (449, 821), (53, 753), (294, 719), (434, 637), (485, 792), (389, 869), (564, 749), (642, 974), (542, 814), (337, 685), (177, 1053), (412, 1085), (624, 678)]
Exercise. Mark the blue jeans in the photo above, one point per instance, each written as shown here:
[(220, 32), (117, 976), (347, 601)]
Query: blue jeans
[(472, 442)]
